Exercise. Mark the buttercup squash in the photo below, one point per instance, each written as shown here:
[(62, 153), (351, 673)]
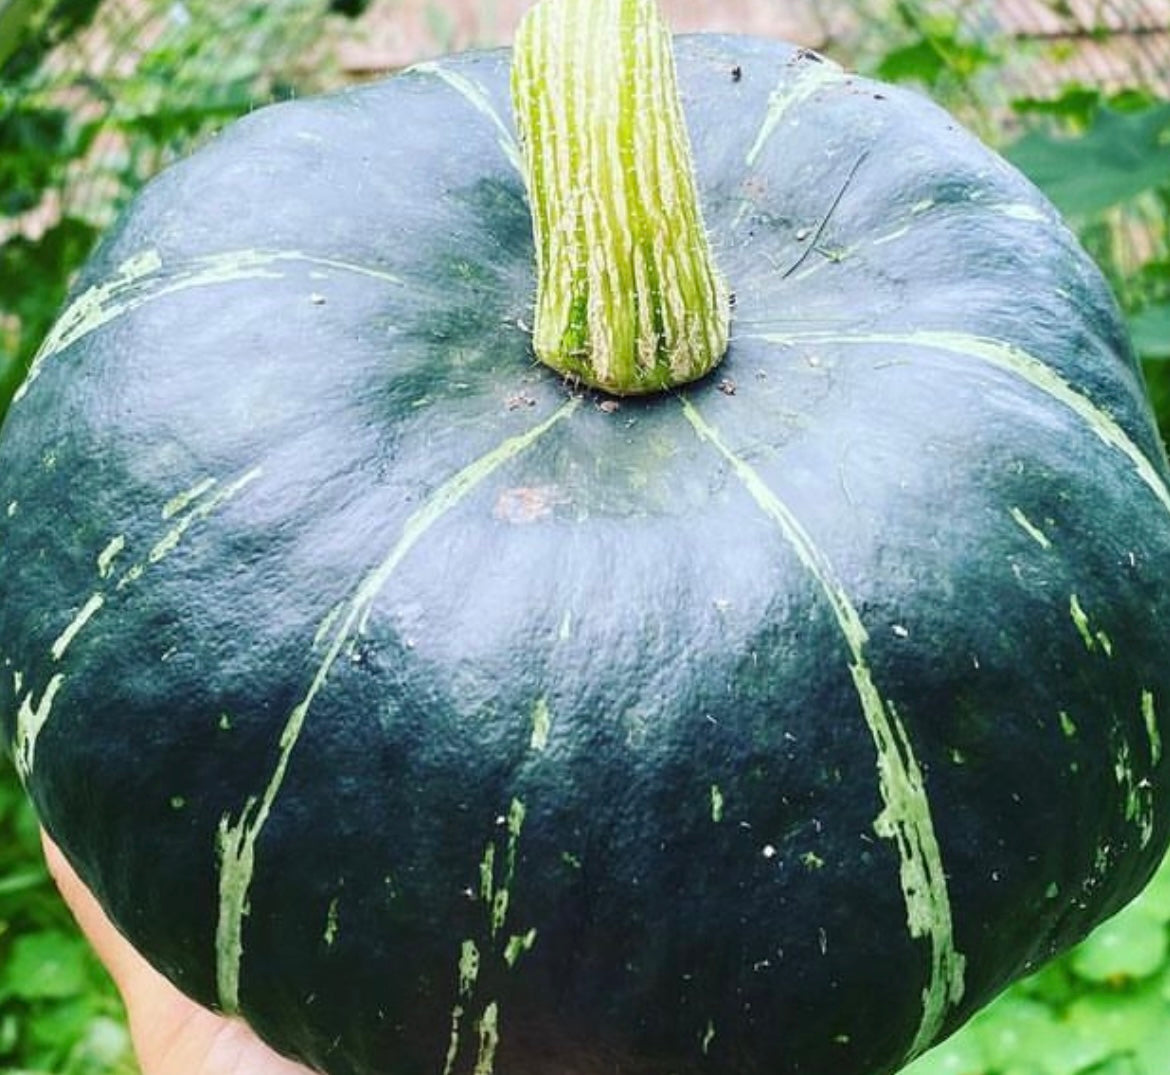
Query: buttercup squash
[(438, 713)]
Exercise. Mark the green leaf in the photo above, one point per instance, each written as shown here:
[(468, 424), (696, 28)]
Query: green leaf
[(22, 881), (45, 966), (1017, 1030), (916, 62), (1151, 336), (961, 1054), (1117, 1023), (1074, 104), (1153, 1048), (1128, 946), (1120, 155), (1122, 1064), (34, 147)]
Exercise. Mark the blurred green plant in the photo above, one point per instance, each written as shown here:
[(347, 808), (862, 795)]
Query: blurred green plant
[(58, 1012), (1105, 161), (96, 95)]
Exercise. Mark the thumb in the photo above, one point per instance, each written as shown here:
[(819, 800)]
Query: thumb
[(172, 1034)]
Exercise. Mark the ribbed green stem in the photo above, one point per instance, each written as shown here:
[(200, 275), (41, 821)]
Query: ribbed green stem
[(628, 296)]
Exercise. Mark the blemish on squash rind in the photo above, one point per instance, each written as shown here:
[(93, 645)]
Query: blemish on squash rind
[(1138, 792), (1151, 721), (716, 804), (76, 625), (1081, 621), (105, 560), (517, 945), (1031, 529), (541, 725), (331, 922), (30, 719), (181, 501), (708, 1037)]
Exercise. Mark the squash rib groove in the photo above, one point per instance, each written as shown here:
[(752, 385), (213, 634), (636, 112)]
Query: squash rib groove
[(477, 97), (1010, 359), (130, 289), (810, 77), (906, 817), (238, 836), (32, 718)]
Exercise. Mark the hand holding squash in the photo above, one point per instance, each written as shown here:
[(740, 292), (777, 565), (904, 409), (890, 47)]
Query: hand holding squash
[(172, 1034)]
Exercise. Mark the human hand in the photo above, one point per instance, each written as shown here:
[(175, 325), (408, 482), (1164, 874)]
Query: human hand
[(172, 1035)]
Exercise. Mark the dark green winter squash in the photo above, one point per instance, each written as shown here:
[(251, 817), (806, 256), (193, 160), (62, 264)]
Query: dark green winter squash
[(440, 714)]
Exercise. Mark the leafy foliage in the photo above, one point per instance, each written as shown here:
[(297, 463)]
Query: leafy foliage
[(96, 96), (1117, 156), (1105, 162)]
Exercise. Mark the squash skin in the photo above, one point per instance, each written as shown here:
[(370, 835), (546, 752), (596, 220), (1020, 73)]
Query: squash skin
[(604, 625)]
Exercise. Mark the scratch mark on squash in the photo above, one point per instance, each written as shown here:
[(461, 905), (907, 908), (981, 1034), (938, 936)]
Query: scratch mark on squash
[(906, 817), (238, 836)]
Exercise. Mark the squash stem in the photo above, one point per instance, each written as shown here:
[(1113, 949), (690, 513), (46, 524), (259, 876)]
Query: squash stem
[(628, 296)]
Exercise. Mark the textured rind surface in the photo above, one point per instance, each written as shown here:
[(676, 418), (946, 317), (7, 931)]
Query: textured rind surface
[(326, 617)]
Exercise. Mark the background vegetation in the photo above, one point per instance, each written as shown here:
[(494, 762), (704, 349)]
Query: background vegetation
[(81, 126)]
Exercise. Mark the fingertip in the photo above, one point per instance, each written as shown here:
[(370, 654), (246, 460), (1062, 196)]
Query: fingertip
[(131, 973)]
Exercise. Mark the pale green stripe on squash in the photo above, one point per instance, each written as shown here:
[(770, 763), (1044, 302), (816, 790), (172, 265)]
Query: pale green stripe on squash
[(33, 716), (809, 78), (238, 836), (141, 280), (906, 818), (1011, 359), (477, 97)]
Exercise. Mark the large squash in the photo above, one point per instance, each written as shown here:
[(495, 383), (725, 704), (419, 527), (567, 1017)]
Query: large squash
[(437, 714)]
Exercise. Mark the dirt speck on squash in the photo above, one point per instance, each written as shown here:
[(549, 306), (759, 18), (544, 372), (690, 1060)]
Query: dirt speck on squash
[(527, 503)]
